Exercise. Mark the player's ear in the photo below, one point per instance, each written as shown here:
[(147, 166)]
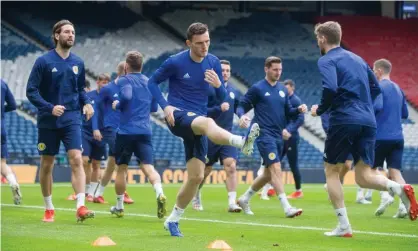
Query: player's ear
[(188, 42)]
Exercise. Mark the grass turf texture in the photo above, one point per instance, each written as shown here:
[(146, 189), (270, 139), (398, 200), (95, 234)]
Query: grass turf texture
[(268, 229)]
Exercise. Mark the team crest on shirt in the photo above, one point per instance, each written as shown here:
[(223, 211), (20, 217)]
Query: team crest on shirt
[(191, 114), (75, 69), (232, 95), (41, 146), (281, 93), (272, 156)]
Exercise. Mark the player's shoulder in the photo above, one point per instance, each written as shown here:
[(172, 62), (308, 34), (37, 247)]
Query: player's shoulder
[(178, 57), (212, 58), (76, 58)]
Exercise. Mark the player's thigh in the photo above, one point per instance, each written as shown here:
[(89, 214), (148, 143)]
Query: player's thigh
[(339, 142), (71, 137), (124, 147), (143, 150), (363, 147), (48, 141), (394, 159), (270, 151)]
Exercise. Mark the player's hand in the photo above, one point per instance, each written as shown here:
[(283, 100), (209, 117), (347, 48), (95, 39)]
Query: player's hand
[(286, 134), (244, 121), (58, 110), (212, 78), (88, 111), (169, 114), (114, 104), (225, 106), (97, 135), (302, 108), (313, 110)]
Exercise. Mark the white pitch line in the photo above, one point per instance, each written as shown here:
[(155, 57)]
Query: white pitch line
[(228, 222)]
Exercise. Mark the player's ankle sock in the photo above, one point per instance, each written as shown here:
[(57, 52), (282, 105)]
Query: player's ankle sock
[(175, 214), (369, 193), (265, 190), (99, 191), (92, 189), (119, 201), (248, 194), (11, 179), (198, 194), (48, 203), (236, 141), (394, 187), (384, 194), (87, 188), (360, 194), (401, 205), (283, 200), (81, 197), (158, 189), (342, 217), (232, 197), (299, 190)]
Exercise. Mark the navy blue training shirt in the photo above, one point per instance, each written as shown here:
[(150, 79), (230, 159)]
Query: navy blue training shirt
[(57, 81), (135, 103), (187, 90), (271, 107), (8, 103), (391, 110), (295, 121), (350, 87), (104, 109)]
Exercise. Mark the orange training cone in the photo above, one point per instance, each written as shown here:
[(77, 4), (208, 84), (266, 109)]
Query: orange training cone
[(103, 241), (219, 244)]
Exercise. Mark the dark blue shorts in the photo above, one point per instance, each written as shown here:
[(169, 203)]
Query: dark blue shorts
[(195, 146), (391, 151), (4, 153), (219, 152), (109, 138), (49, 139), (140, 145), (271, 149), (95, 150), (343, 140)]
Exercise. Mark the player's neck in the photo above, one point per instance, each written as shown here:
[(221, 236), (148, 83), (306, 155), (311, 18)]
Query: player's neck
[(387, 77), (195, 58), (272, 83), (64, 53), (330, 47)]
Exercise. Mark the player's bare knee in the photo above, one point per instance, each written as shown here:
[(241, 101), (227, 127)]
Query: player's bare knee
[(47, 163), (230, 168), (275, 169), (196, 178), (95, 164)]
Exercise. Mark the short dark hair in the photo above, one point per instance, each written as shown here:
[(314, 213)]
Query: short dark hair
[(196, 29), (226, 62), (87, 84), (57, 29), (290, 82), (103, 76), (134, 59), (383, 64), (331, 31), (272, 60)]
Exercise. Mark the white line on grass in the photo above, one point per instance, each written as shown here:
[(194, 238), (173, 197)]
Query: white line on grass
[(228, 222)]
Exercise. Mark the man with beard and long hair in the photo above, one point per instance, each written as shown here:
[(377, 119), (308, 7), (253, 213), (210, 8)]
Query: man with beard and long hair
[(272, 109), (56, 88)]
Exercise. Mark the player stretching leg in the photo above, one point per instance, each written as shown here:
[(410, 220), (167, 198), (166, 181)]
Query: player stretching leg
[(56, 88), (192, 75), (352, 126)]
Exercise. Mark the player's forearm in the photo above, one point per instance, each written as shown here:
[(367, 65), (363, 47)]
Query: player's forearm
[(214, 112), (326, 101), (220, 92), (36, 99), (11, 105), (157, 94)]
